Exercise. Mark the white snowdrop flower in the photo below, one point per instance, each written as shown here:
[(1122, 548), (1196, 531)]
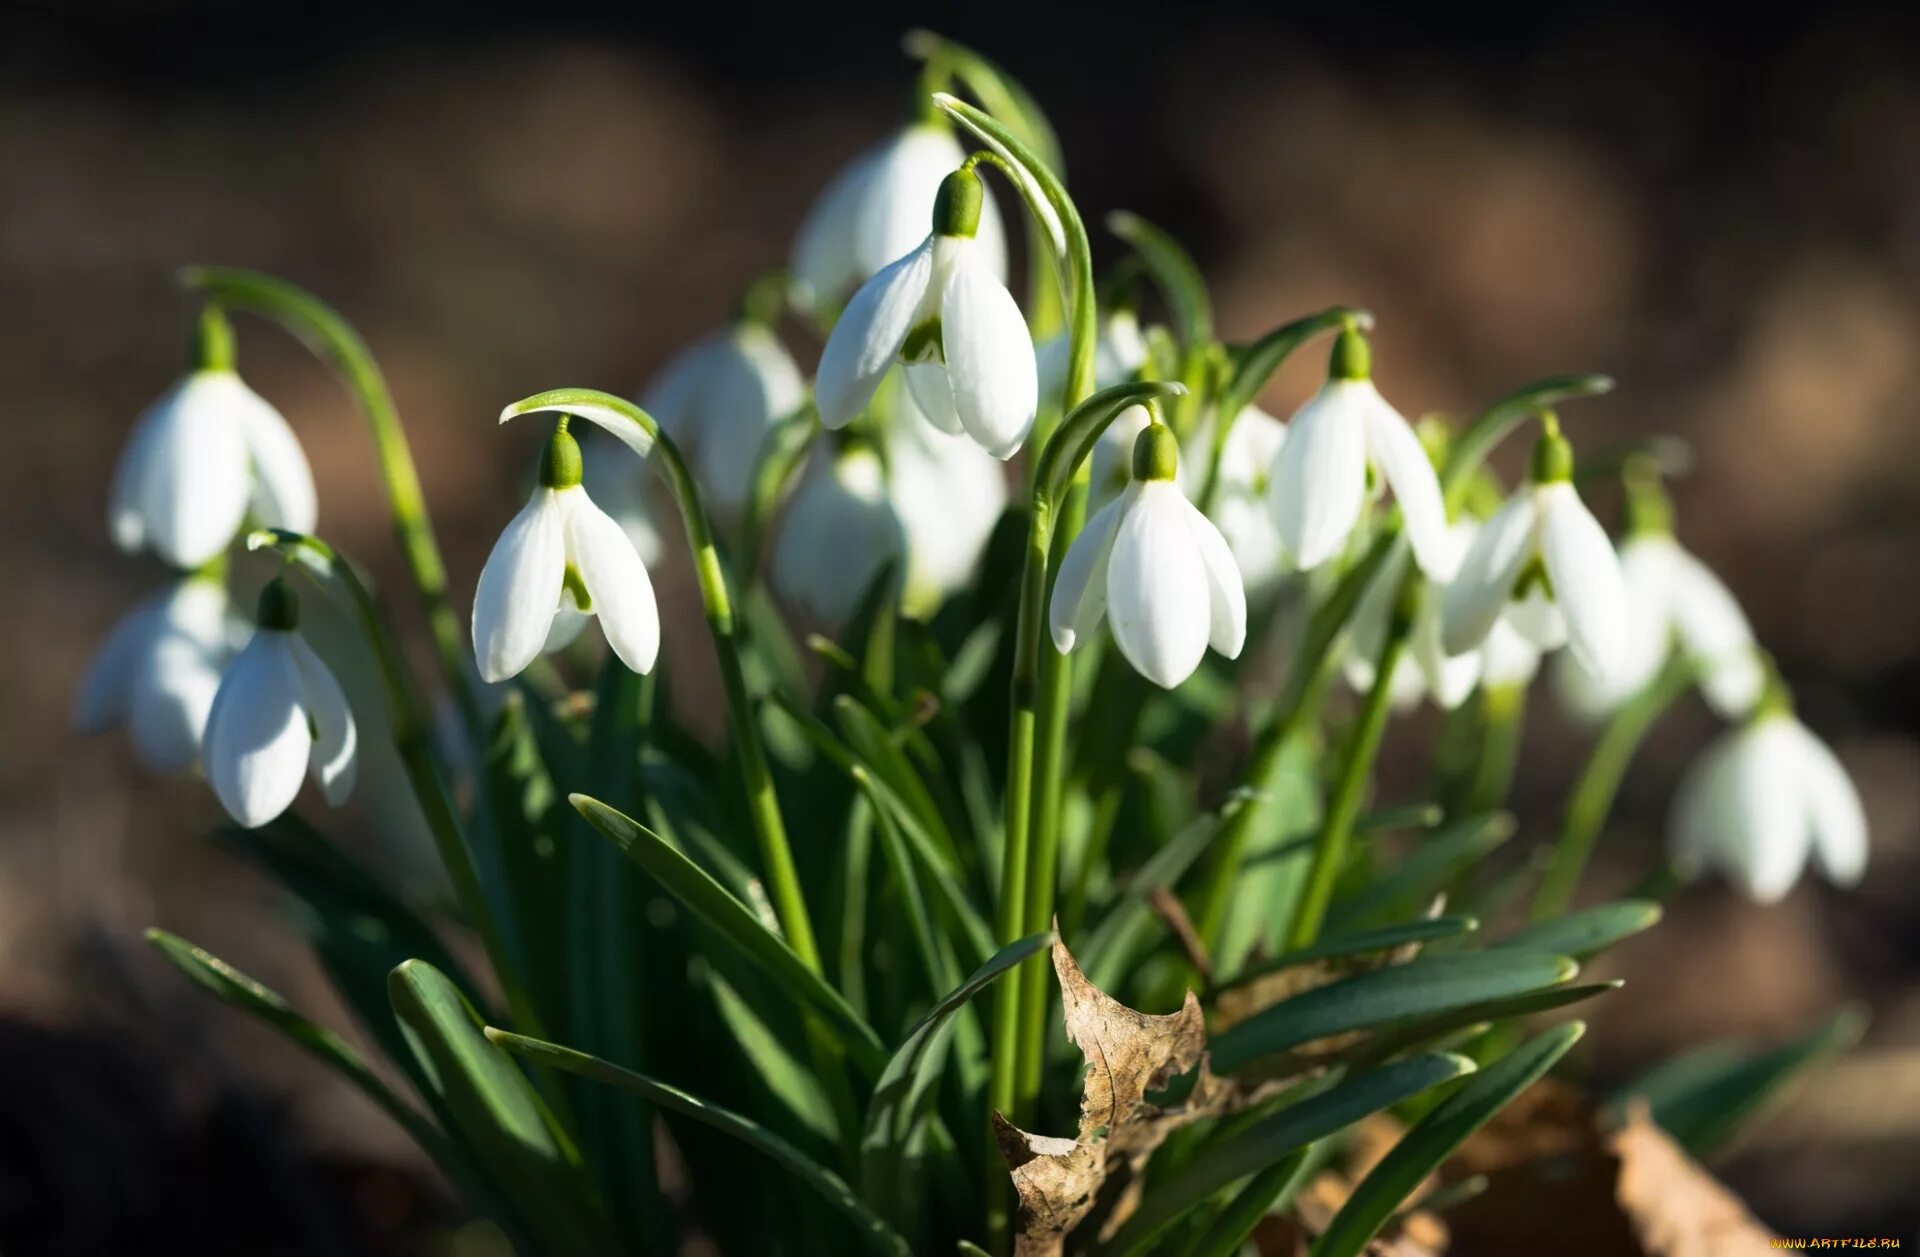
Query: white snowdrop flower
[(876, 209), (1673, 600), (1424, 669), (562, 556), (839, 531), (1507, 657), (1762, 799), (279, 715), (158, 671), (201, 458), (1240, 507), (618, 486), (719, 398), (1157, 569), (1543, 537), (1119, 351), (948, 493), (1320, 480), (941, 311)]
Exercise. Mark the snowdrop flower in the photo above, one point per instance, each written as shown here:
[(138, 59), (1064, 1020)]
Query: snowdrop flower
[(562, 557), (949, 494), (1673, 599), (1425, 669), (875, 210), (1240, 498), (159, 670), (942, 311), (1320, 478), (839, 531), (203, 456), (719, 398), (279, 715), (1158, 569), (618, 487), (1761, 800), (1544, 540), (1507, 658), (1119, 351)]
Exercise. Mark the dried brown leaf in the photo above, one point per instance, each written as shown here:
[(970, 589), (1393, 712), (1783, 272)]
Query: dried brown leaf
[(1676, 1207)]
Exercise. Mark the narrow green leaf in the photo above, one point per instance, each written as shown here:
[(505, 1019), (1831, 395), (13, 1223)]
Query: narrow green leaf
[(1110, 946), (829, 1185), (1174, 272), (496, 1112), (1359, 943), (790, 1082), (1703, 1097), (1255, 365), (1433, 1139), (1429, 985), (706, 898), (1591, 930), (1003, 95), (1220, 1164), (1471, 448), (1426, 870), (1263, 1193), (1427, 1033)]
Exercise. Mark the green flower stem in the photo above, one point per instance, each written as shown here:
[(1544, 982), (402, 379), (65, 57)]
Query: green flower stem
[(411, 736), (324, 331), (1593, 794), (780, 457), (1503, 711), (1312, 664), (1336, 832), (763, 805)]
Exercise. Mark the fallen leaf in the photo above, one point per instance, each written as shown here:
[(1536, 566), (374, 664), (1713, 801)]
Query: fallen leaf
[(1675, 1206)]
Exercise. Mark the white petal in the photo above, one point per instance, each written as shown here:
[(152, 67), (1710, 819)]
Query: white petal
[(825, 259), (1715, 633), (1762, 831), (927, 389), (949, 494), (618, 485), (897, 209), (1450, 679), (870, 332), (257, 740), (1647, 568), (1480, 588), (182, 484), (1835, 813), (989, 354), (1080, 586), (616, 581), (568, 623), (1320, 478), (1110, 467), (1226, 592), (169, 704), (519, 588), (1693, 822), (675, 393), (1403, 461), (333, 761), (1587, 584), (1367, 626), (1508, 658), (838, 533), (104, 693), (754, 385), (1157, 597), (283, 494)]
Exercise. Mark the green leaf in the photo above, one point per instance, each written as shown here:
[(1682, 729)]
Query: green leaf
[(792, 1085), (829, 1185), (1110, 946), (1386, 938), (1001, 93), (1429, 985), (1429, 1032), (738, 924), (1433, 1139), (496, 1113), (1218, 1165), (1703, 1097), (1589, 931), (1431, 865), (899, 1098), (1260, 1195), (1174, 273)]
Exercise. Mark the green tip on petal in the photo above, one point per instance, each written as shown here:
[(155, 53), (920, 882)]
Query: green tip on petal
[(1156, 453), (560, 466), (956, 210), (279, 607), (1352, 357), (212, 348)]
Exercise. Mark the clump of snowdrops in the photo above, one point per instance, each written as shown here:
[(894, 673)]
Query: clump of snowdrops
[(1037, 893)]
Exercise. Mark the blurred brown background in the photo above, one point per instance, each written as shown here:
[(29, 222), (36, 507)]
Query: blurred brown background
[(1722, 217)]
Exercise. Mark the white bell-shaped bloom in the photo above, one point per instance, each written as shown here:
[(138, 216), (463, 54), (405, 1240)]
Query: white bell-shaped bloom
[(1507, 657), (839, 531), (1157, 569), (279, 716), (875, 210), (1762, 799), (941, 311), (201, 458), (1543, 533), (1240, 500), (1673, 600), (948, 493), (158, 671), (1119, 351), (561, 557), (1320, 479), (718, 399), (1424, 669)]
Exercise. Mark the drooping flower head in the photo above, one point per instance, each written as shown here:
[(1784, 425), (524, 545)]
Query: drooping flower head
[(1322, 474), (201, 458), (279, 716), (1425, 670), (1240, 499), (1156, 569), (1545, 562), (942, 312), (561, 559), (948, 493), (1762, 800), (840, 530)]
